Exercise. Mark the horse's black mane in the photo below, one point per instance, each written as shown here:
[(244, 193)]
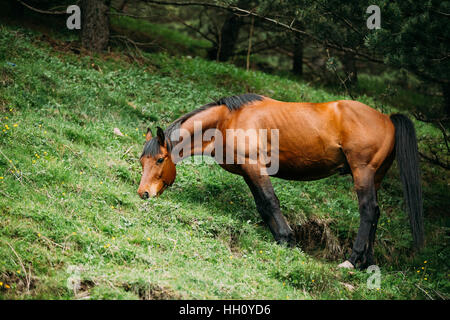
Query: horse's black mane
[(236, 102), (152, 147)]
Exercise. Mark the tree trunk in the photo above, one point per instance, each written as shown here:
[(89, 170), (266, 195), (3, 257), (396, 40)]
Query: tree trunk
[(297, 60), (94, 24), (228, 37), (123, 6), (349, 64)]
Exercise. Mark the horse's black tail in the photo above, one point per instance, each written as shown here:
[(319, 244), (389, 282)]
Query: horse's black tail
[(407, 156)]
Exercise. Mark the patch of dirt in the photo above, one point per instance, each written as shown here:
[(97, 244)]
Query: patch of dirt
[(6, 77), (17, 282), (315, 237), (81, 291), (234, 243), (150, 291)]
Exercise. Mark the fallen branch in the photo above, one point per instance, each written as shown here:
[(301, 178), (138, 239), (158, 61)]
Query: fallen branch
[(128, 150), (130, 15), (424, 291), (135, 43)]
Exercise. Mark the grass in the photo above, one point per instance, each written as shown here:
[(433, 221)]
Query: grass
[(70, 212)]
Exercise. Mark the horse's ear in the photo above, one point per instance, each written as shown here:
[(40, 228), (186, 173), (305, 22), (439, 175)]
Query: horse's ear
[(161, 137), (149, 135)]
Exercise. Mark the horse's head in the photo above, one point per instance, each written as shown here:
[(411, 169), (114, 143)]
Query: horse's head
[(158, 169)]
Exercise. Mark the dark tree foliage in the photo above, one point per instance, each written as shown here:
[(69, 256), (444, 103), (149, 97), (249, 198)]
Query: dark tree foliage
[(415, 35)]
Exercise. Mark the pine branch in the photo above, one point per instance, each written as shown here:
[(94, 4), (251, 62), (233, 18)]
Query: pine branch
[(39, 10), (240, 11)]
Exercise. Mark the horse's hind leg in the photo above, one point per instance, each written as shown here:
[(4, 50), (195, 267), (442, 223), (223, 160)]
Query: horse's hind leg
[(368, 258), (369, 212), (379, 175)]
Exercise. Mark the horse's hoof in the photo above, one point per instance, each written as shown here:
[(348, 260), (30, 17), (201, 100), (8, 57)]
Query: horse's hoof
[(346, 265), (288, 241)]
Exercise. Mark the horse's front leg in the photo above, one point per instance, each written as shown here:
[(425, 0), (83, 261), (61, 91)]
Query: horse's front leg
[(268, 206)]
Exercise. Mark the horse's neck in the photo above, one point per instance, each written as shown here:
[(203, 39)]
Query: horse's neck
[(195, 126)]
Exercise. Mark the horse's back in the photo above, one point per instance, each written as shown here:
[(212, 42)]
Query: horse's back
[(308, 135), (316, 139)]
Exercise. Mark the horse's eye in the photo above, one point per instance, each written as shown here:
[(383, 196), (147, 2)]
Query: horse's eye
[(160, 160)]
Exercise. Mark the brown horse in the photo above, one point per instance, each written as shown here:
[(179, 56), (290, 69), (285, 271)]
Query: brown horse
[(308, 141)]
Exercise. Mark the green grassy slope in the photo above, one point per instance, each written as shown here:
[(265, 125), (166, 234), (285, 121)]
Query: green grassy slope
[(69, 208)]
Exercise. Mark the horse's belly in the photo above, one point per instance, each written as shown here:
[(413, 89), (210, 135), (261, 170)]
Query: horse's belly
[(305, 167)]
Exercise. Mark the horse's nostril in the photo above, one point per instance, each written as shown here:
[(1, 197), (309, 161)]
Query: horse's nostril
[(145, 195)]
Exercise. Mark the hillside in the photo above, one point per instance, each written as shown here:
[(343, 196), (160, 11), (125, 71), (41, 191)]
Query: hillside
[(69, 207)]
